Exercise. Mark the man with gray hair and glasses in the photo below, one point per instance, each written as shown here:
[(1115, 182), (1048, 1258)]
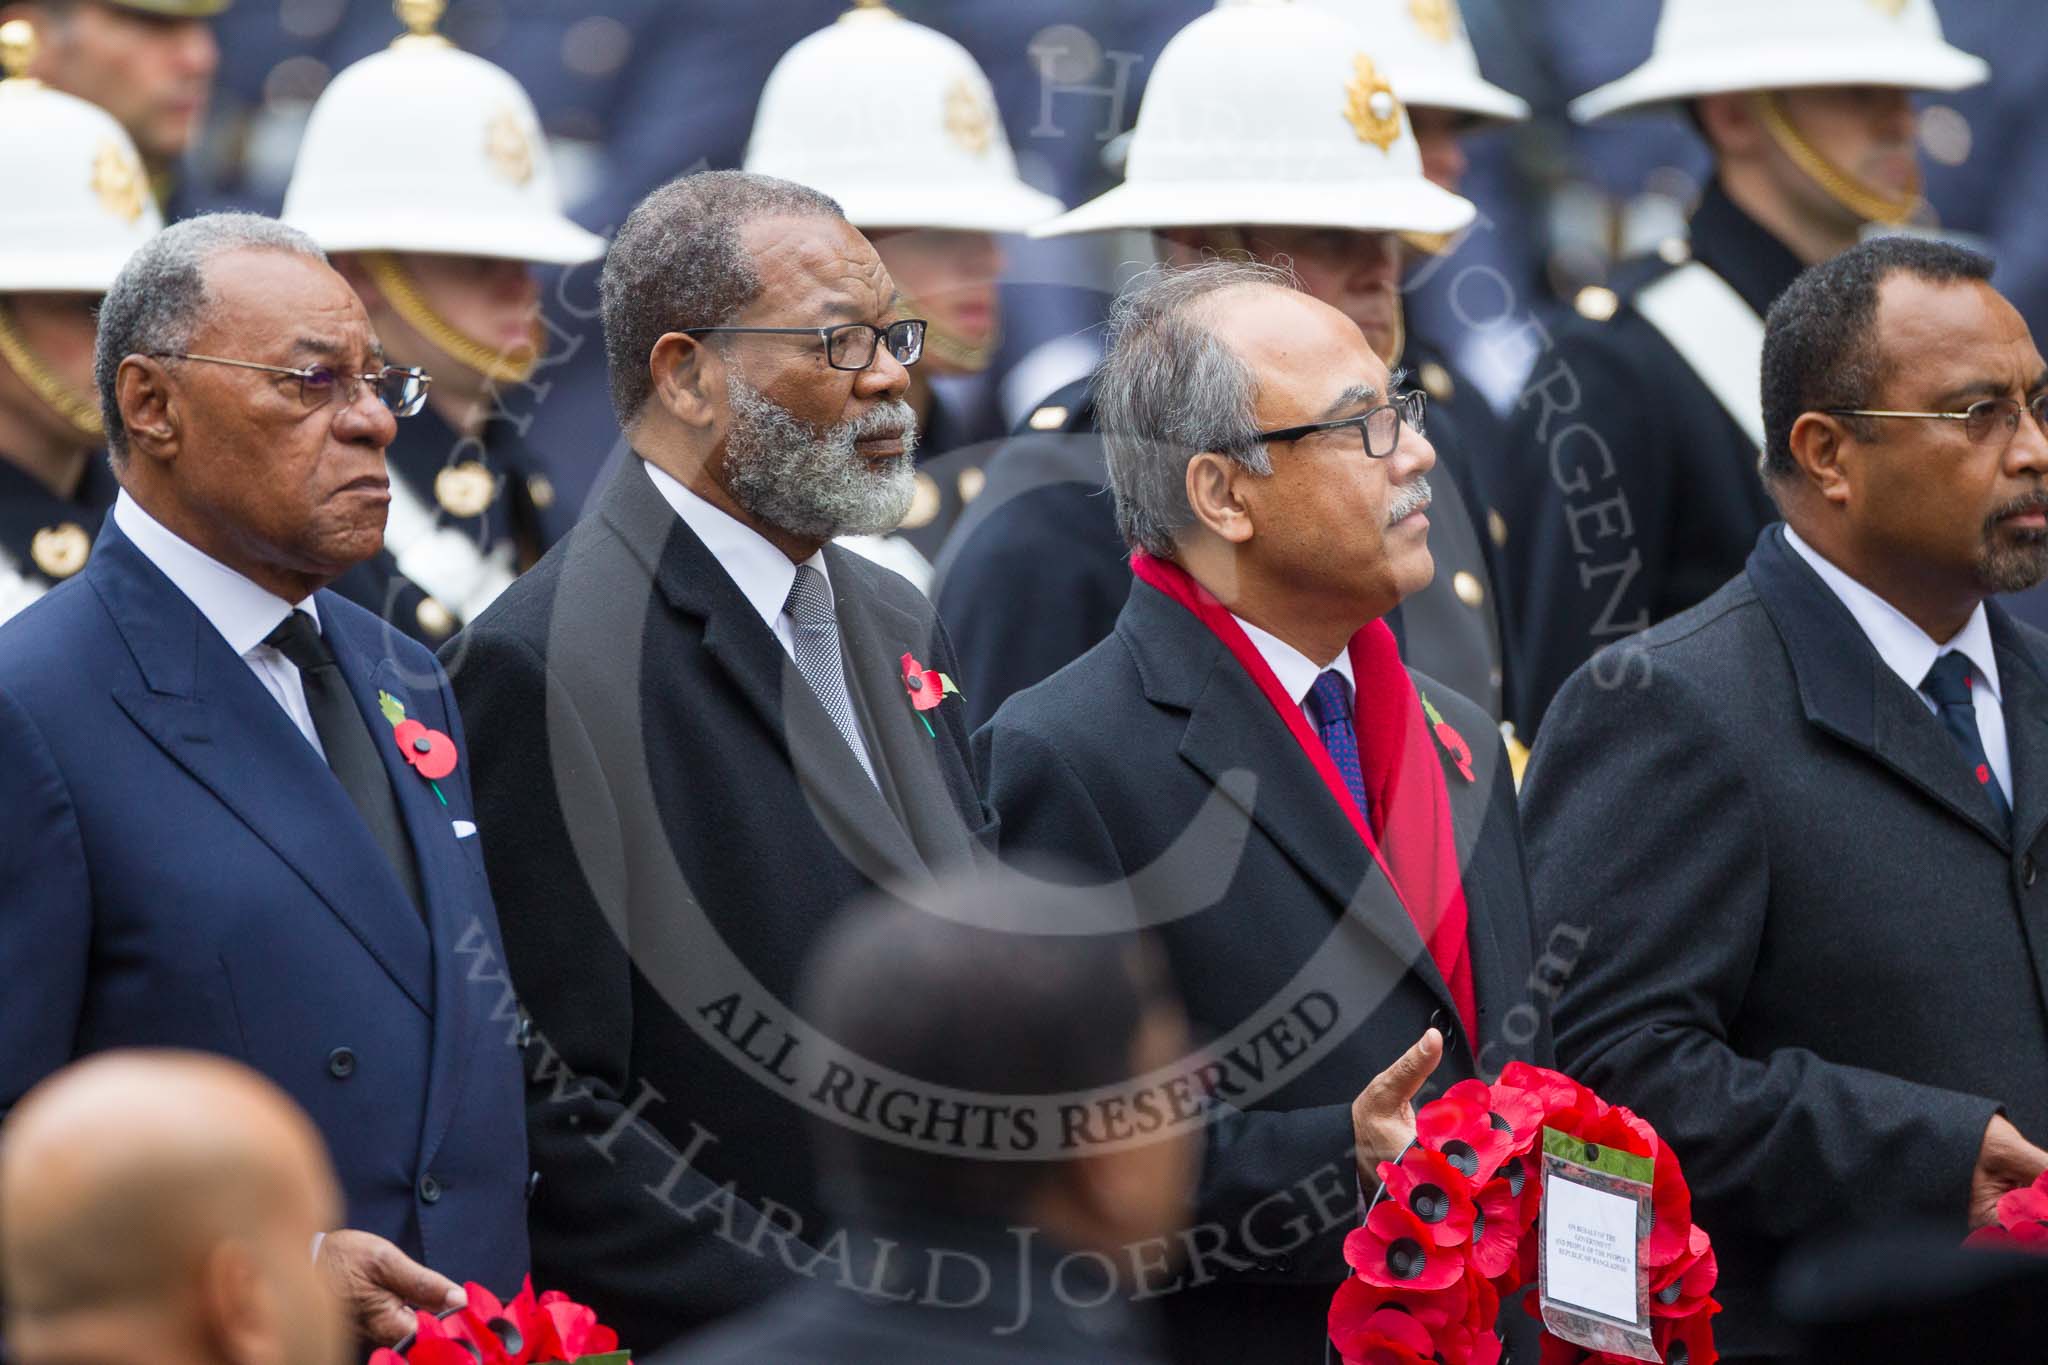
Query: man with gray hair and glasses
[(1324, 840), (234, 808), (701, 727)]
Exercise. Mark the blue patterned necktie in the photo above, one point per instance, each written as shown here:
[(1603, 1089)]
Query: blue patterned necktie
[(816, 631), (1950, 685), (1329, 701)]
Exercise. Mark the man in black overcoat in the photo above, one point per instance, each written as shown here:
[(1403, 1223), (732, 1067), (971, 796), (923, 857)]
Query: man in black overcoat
[(1798, 828), (700, 727)]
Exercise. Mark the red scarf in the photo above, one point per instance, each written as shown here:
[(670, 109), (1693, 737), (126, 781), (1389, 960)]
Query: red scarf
[(1408, 830)]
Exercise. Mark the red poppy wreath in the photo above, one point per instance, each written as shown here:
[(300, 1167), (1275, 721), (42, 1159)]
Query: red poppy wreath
[(1454, 1231), (524, 1330)]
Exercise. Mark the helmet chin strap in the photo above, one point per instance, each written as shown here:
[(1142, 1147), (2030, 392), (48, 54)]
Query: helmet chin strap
[(499, 366), (1864, 200), (956, 351), (80, 414)]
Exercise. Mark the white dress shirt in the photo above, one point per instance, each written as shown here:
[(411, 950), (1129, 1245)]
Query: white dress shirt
[(1295, 670), (1910, 651), (762, 573), (236, 606)]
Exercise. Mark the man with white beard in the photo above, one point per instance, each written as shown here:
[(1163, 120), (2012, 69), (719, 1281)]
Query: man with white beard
[(697, 727)]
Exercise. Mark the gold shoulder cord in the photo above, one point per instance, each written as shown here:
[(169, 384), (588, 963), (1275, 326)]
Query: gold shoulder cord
[(500, 367), (83, 416), (1869, 204)]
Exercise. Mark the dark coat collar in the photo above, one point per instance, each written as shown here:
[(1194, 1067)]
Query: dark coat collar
[(27, 506), (1741, 250), (1847, 690)]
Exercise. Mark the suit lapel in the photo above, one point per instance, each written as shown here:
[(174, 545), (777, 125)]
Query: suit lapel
[(2026, 732), (1848, 691), (1231, 729), (203, 707), (445, 879), (876, 636), (692, 582), (2025, 702)]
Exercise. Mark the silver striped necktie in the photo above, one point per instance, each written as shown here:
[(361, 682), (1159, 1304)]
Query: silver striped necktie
[(809, 608)]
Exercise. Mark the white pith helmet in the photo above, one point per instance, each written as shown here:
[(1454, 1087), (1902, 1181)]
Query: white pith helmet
[(1718, 47), (896, 122), (1263, 111), (424, 147), (1429, 56), (78, 202)]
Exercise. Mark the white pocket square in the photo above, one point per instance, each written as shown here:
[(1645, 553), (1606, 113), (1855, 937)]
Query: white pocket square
[(463, 829)]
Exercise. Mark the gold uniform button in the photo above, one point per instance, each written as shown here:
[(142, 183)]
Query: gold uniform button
[(972, 480), (1051, 417), (1496, 526), (1597, 302), (466, 489), (1468, 587), (434, 619), (60, 551), (924, 503), (540, 490), (1436, 381), (1674, 250)]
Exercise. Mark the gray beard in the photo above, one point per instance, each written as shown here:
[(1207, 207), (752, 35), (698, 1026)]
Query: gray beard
[(813, 482)]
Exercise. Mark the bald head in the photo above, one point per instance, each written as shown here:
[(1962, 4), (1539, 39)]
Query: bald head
[(161, 1207)]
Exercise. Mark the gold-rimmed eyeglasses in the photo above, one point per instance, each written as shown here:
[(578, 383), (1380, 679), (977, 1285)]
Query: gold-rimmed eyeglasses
[(401, 388), (1983, 419)]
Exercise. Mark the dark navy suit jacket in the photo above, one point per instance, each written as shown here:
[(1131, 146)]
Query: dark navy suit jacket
[(179, 868)]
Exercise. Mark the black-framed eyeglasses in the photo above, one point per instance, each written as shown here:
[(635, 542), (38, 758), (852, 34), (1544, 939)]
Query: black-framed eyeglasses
[(403, 389), (1982, 420), (1380, 428), (850, 345)]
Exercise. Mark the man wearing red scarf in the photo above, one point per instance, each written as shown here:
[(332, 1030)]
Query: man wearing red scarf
[(1325, 842)]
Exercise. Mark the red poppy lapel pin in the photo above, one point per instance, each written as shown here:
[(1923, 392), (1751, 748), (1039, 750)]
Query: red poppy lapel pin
[(927, 688), (1453, 743), (431, 753)]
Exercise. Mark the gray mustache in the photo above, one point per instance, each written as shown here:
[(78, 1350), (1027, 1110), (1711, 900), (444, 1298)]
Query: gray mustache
[(1409, 499), (892, 419)]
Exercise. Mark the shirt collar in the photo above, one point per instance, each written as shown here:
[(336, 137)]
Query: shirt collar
[(762, 573), (1905, 648), (1295, 670), (243, 612)]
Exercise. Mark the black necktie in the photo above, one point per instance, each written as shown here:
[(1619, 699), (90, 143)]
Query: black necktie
[(1949, 684), (351, 750)]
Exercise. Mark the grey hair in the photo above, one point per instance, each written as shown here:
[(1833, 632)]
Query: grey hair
[(678, 262), (160, 296), (1171, 388)]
